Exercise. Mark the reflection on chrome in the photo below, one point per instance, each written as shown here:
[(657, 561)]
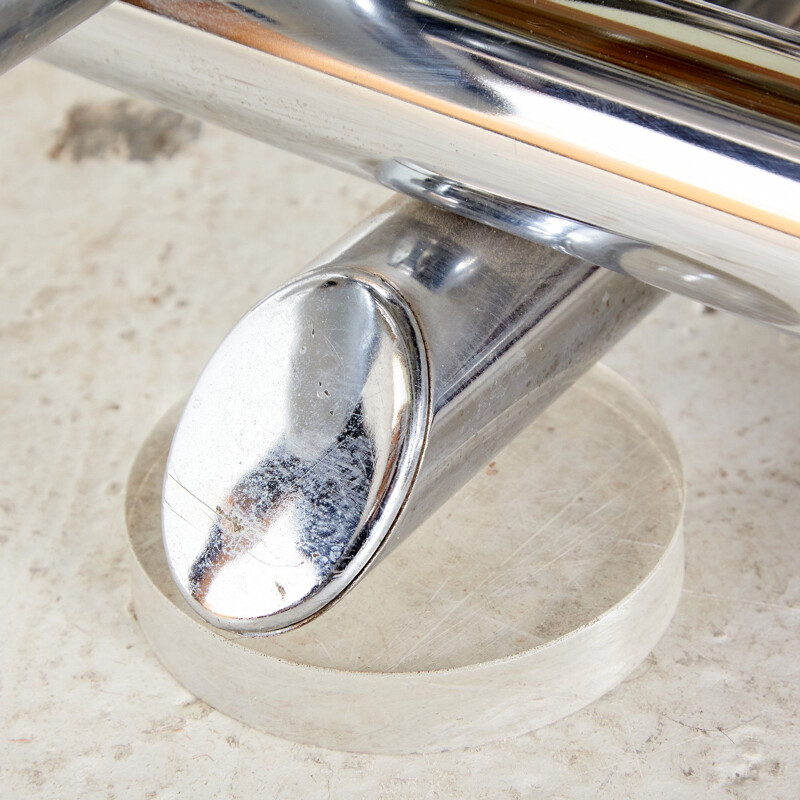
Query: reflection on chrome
[(318, 475), (326, 493), (347, 406), (28, 25), (655, 265), (301, 435), (672, 123)]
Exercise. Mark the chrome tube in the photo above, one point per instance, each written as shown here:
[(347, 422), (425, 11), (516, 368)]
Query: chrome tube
[(348, 405), (28, 25), (781, 12), (658, 138)]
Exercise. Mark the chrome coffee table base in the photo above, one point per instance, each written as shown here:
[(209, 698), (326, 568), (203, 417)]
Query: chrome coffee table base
[(348, 405), (455, 641)]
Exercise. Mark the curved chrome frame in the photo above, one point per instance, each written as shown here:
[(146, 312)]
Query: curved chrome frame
[(672, 124)]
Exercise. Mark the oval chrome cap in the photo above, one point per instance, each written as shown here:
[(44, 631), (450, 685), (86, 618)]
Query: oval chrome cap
[(295, 452)]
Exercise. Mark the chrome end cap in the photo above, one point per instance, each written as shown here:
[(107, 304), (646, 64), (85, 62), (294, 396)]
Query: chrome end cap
[(296, 452)]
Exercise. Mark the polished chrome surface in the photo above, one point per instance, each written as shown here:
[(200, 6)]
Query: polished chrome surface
[(295, 451), (652, 264), (781, 12), (348, 405), (28, 25), (676, 124)]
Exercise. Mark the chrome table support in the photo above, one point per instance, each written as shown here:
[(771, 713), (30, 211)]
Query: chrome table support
[(659, 138), (666, 131), (348, 405), (28, 25)]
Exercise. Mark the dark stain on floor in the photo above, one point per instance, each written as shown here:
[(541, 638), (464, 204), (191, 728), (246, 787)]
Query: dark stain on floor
[(128, 129)]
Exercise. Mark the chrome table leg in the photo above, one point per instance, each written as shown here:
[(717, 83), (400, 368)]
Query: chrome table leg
[(28, 25), (348, 405)]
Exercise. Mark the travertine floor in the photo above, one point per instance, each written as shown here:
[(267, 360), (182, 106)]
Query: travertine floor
[(124, 260)]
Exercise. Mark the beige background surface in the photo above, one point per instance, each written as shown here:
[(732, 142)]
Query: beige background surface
[(119, 275)]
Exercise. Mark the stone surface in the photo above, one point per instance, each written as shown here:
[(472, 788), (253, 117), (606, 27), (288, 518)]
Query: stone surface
[(120, 276)]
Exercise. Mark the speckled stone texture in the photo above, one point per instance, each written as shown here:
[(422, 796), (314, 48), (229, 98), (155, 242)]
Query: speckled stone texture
[(120, 275)]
